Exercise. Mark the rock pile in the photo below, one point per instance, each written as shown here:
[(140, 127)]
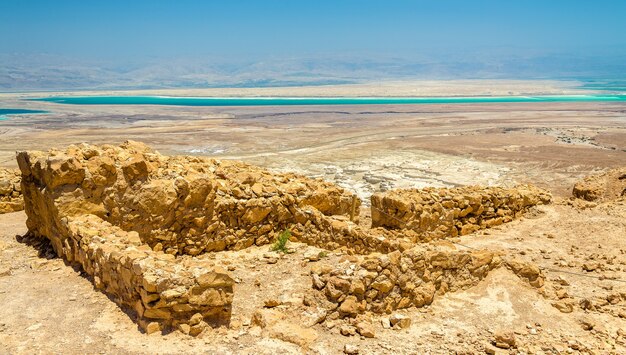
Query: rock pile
[(10, 191), (436, 213), (607, 186), (381, 283)]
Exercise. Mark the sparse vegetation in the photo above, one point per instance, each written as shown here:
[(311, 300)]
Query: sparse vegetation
[(322, 254), (280, 244)]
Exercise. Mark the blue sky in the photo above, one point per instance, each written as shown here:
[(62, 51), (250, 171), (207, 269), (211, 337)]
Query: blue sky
[(270, 27), (451, 37)]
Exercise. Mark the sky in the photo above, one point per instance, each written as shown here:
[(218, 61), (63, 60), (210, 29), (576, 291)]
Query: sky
[(589, 34)]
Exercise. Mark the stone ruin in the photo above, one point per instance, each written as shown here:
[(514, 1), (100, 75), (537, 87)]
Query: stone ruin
[(10, 191), (441, 213), (411, 275), (134, 220), (606, 186)]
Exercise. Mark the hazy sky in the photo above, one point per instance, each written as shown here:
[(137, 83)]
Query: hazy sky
[(295, 28), (437, 38)]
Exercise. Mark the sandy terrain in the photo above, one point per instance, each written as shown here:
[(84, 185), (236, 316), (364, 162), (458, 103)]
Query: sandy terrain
[(49, 307)]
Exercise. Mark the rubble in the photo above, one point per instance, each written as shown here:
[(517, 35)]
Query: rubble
[(504, 339), (381, 283), (610, 185), (10, 191)]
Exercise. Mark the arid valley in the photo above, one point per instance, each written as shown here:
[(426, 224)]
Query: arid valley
[(576, 246)]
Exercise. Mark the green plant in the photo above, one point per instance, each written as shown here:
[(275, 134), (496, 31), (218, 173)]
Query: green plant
[(280, 244), (322, 254)]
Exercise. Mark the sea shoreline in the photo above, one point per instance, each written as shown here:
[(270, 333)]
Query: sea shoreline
[(317, 101)]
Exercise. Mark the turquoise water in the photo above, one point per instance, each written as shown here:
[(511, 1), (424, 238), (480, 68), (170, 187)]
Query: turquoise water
[(285, 101), (16, 111)]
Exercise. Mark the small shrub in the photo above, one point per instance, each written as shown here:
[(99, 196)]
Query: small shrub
[(322, 254), (280, 244)]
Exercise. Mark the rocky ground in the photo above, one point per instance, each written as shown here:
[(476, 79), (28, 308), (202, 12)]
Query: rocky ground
[(582, 307)]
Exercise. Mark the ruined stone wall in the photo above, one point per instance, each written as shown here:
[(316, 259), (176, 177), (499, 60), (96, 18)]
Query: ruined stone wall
[(435, 213), (10, 191), (181, 205), (134, 220), (381, 283), (164, 292), (610, 185), (332, 233), (124, 213)]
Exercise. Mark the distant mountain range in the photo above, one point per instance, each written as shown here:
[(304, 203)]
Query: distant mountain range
[(20, 72)]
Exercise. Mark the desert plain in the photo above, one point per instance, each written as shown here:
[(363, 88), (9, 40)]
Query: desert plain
[(48, 306)]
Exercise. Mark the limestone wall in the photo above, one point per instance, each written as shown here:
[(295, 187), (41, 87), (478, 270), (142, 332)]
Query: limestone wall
[(330, 232), (10, 191), (181, 205), (381, 283), (124, 214), (435, 213), (163, 291)]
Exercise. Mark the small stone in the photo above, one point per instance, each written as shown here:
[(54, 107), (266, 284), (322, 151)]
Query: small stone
[(5, 271), (271, 303), (400, 321), (265, 317), (561, 281), (347, 330), (235, 324), (153, 327), (560, 294), (385, 323), (586, 304), (184, 328), (590, 266), (586, 324), (563, 306), (311, 255), (195, 330), (349, 307), (196, 319), (350, 349), (573, 344), (504, 339), (365, 329)]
